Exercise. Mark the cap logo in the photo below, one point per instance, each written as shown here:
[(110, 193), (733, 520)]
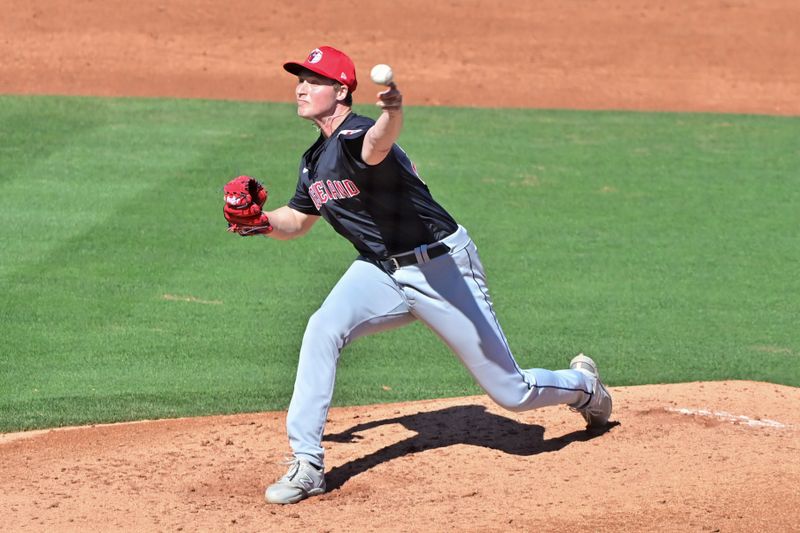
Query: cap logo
[(315, 56), (343, 76)]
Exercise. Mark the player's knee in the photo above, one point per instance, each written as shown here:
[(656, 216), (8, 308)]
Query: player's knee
[(509, 403), (515, 407), (324, 326)]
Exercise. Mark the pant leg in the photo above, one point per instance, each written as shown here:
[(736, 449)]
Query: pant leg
[(450, 295), (364, 301)]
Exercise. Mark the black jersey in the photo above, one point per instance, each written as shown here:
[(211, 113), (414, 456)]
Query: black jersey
[(385, 209)]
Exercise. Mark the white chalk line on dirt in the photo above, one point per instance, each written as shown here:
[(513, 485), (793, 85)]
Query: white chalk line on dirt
[(728, 417)]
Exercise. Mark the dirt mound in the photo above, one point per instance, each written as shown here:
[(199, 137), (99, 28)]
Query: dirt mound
[(687, 457)]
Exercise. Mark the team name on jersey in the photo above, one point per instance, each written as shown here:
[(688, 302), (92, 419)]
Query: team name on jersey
[(323, 191)]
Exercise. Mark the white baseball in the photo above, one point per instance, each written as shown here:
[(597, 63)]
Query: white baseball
[(381, 74)]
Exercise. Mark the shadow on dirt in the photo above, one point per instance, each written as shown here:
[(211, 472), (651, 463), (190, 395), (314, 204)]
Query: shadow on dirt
[(470, 424)]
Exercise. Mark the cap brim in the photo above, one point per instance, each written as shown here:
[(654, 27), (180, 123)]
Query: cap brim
[(293, 68), (297, 68)]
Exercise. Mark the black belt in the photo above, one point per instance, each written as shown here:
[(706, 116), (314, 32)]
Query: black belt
[(410, 258)]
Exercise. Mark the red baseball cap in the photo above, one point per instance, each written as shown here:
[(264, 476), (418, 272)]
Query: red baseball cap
[(329, 62)]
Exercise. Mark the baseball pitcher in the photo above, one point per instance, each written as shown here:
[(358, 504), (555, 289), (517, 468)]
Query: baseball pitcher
[(415, 262)]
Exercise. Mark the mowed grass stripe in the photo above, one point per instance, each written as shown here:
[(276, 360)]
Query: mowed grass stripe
[(99, 325), (662, 244), (658, 238)]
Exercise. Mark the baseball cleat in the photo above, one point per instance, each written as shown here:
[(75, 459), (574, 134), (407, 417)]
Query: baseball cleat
[(597, 409), (301, 481)]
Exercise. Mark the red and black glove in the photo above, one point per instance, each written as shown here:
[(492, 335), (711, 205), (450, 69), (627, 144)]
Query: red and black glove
[(244, 198)]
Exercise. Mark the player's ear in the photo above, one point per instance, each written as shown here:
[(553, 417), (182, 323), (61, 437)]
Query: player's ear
[(341, 93)]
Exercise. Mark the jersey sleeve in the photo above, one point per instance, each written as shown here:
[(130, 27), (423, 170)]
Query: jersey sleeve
[(352, 140), (301, 201)]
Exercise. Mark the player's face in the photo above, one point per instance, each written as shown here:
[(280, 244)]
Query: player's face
[(316, 95)]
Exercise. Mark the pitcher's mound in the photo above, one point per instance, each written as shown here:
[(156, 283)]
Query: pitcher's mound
[(686, 457)]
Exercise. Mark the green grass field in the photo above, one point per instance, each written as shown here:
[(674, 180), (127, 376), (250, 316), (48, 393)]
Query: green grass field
[(665, 245)]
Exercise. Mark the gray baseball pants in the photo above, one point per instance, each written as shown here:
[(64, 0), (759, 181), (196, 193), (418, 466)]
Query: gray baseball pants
[(448, 294)]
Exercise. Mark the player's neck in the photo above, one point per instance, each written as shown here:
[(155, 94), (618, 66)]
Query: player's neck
[(328, 124)]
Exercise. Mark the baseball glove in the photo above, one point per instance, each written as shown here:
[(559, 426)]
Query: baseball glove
[(244, 199)]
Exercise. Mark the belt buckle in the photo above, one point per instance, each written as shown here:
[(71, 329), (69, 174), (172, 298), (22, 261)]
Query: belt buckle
[(393, 261)]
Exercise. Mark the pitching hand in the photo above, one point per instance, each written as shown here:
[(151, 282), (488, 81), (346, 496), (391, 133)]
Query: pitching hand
[(391, 99)]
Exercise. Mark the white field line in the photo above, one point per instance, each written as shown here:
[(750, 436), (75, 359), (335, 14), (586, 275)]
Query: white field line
[(728, 417)]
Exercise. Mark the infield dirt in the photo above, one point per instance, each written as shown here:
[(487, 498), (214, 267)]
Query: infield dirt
[(684, 457)]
